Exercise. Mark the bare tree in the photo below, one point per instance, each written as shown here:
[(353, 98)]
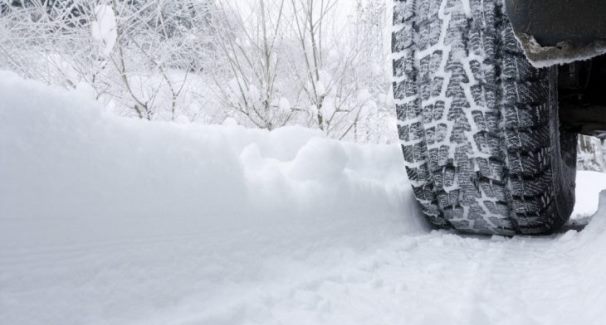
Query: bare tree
[(265, 63), (41, 39), (154, 32), (591, 154), (333, 56), (249, 80), (144, 65)]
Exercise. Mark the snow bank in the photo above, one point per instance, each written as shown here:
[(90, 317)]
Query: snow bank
[(589, 186), (106, 220), (64, 158), (80, 186)]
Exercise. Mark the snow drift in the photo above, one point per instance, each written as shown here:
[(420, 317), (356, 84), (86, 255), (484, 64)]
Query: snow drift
[(76, 179), (64, 158), (106, 220)]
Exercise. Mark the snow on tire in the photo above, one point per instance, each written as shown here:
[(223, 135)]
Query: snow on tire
[(478, 124)]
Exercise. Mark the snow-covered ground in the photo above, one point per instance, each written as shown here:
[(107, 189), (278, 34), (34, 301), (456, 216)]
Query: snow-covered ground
[(105, 220)]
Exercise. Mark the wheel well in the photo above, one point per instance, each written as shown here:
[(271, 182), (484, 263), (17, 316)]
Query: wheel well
[(582, 96)]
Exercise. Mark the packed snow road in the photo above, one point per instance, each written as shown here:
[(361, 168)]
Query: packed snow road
[(105, 220)]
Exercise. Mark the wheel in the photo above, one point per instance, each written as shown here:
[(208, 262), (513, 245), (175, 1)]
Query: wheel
[(478, 125)]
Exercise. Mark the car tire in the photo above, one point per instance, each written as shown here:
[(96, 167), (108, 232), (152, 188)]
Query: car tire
[(478, 124)]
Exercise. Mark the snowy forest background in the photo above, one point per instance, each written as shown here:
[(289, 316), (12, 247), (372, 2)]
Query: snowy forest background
[(321, 64)]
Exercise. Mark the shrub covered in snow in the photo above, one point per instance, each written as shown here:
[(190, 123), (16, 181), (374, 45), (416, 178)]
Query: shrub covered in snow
[(266, 64)]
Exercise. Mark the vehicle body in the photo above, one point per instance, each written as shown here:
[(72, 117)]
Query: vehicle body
[(559, 31), (490, 97), (571, 34)]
